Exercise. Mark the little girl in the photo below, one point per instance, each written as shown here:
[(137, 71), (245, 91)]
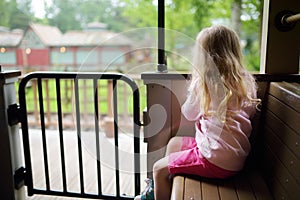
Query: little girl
[(221, 101)]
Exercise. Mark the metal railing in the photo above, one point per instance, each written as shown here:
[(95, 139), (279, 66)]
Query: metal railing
[(67, 86), (39, 77)]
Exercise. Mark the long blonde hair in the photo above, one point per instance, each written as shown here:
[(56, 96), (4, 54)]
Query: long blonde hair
[(218, 73)]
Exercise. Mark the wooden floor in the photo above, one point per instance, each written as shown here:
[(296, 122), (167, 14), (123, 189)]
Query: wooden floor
[(107, 160)]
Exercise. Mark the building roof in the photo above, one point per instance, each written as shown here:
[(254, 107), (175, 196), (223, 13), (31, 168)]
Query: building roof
[(49, 35), (95, 26), (10, 39), (93, 38), (52, 36)]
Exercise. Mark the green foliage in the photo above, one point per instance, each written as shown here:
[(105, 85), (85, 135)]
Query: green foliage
[(15, 15), (203, 11), (190, 16), (179, 17), (76, 14), (251, 33), (140, 13), (4, 14), (65, 15), (187, 17), (183, 16)]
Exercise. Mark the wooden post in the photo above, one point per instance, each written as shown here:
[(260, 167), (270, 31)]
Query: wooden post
[(10, 159), (125, 105), (279, 48), (35, 100), (109, 120), (48, 113), (165, 94), (85, 104)]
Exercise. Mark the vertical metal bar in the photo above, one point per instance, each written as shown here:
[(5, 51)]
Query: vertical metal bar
[(115, 108), (97, 135), (61, 139), (136, 126), (162, 65), (25, 135), (42, 115), (78, 127)]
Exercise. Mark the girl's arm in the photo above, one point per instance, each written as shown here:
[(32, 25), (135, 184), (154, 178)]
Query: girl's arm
[(191, 108)]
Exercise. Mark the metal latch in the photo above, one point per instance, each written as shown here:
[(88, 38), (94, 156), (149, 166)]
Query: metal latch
[(13, 113), (19, 177)]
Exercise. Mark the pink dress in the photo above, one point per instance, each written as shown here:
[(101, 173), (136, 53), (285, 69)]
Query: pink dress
[(218, 150)]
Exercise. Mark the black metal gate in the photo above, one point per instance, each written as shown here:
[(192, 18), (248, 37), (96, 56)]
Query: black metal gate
[(75, 77)]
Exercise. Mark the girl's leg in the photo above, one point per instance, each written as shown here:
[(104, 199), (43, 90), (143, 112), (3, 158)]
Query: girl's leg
[(162, 182), (174, 145)]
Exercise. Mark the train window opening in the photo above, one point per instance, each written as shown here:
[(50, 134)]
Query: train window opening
[(123, 24)]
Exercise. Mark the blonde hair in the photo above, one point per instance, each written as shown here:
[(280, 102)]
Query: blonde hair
[(218, 73)]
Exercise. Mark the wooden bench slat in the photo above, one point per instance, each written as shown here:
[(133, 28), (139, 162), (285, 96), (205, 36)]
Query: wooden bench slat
[(192, 189), (278, 171), (227, 190), (243, 187), (286, 92), (278, 191), (210, 191), (177, 188), (285, 113), (259, 186), (284, 132), (283, 154)]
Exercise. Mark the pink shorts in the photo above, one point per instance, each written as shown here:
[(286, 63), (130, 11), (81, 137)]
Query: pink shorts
[(190, 161)]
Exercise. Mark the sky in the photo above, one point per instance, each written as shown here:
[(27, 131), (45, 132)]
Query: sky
[(38, 7)]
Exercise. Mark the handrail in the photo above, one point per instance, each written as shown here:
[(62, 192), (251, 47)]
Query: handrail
[(286, 20), (291, 18)]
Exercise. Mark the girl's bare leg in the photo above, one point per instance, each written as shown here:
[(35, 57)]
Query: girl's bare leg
[(162, 182), (174, 145), (162, 185)]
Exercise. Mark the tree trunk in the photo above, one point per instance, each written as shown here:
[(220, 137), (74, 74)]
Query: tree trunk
[(236, 12)]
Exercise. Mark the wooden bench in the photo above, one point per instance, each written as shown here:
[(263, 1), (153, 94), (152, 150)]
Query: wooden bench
[(272, 170)]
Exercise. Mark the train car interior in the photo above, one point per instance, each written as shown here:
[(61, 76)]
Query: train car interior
[(272, 169)]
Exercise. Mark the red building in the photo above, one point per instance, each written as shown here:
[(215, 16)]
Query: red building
[(34, 50), (9, 43), (43, 47)]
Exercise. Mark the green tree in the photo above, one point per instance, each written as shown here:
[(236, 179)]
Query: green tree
[(236, 12), (25, 7), (251, 28), (76, 14), (14, 14), (17, 17), (244, 17), (104, 11), (183, 16), (63, 14), (203, 10), (114, 19), (4, 14), (190, 16), (140, 13)]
